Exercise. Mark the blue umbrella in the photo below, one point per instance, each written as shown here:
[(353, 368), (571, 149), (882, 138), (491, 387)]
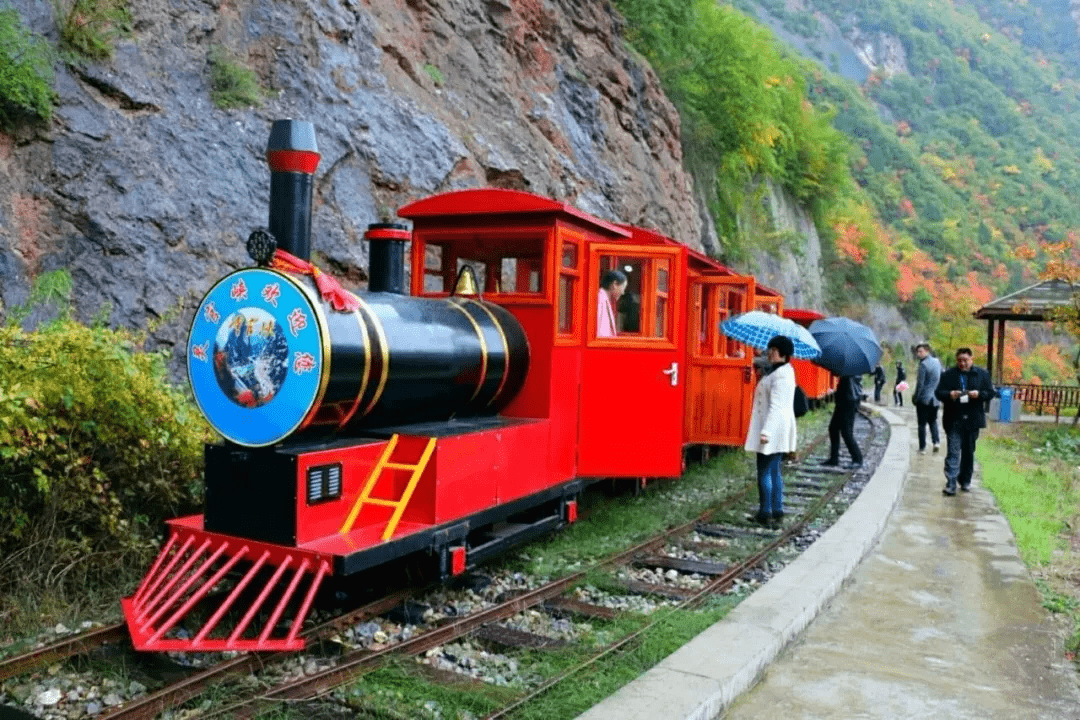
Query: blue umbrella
[(756, 329), (847, 347)]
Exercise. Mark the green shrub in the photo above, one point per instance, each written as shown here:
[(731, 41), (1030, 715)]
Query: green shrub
[(435, 74), (96, 449), (231, 84), (89, 29), (26, 71)]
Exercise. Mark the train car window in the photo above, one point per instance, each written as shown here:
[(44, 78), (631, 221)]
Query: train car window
[(660, 326), (566, 303), (433, 270), (704, 298), (733, 304), (643, 313), (504, 264), (628, 306), (434, 283), (569, 255), (517, 275), (569, 280)]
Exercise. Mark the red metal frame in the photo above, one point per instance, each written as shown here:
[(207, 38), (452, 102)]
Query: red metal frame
[(194, 562)]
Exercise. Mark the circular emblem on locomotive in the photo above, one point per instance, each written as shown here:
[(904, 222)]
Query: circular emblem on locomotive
[(256, 356), (251, 357)]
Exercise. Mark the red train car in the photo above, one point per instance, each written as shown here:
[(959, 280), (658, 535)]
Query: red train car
[(817, 382), (445, 423)]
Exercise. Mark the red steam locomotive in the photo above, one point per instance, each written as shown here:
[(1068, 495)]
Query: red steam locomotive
[(448, 422)]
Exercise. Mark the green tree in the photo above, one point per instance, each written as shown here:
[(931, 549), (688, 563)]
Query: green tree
[(26, 71)]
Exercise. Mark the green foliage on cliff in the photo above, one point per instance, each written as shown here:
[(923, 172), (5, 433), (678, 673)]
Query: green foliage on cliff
[(89, 29), (26, 71), (232, 85), (743, 106)]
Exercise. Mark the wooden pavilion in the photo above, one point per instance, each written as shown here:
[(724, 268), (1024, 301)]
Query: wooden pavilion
[(1033, 303)]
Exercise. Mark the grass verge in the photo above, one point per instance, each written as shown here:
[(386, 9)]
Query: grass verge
[(1034, 472)]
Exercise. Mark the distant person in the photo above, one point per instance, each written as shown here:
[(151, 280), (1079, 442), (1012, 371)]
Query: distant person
[(612, 287), (842, 424), (901, 376), (926, 402), (879, 383), (963, 391), (772, 431)]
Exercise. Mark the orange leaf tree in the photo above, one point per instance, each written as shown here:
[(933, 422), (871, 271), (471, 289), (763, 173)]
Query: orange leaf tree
[(1063, 263)]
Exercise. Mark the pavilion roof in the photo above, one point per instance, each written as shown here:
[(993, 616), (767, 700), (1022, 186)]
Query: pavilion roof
[(1030, 303)]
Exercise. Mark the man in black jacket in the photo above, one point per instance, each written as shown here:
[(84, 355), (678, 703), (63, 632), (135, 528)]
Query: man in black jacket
[(963, 391), (848, 396)]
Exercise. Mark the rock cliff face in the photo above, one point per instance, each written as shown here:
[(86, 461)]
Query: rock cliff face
[(144, 190)]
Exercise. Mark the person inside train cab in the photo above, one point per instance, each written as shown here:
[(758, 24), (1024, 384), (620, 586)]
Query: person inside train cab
[(612, 287)]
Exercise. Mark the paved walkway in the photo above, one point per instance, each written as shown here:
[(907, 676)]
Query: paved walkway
[(940, 621)]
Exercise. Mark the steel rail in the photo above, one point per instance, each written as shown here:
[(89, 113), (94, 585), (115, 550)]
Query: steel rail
[(63, 649)]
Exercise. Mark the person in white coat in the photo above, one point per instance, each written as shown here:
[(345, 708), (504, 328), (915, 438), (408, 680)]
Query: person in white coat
[(772, 431)]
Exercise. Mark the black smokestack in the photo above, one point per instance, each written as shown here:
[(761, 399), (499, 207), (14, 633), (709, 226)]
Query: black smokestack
[(293, 157), (386, 257)]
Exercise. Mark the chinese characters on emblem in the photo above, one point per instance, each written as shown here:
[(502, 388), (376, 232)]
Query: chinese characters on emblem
[(271, 293), (303, 362), (297, 321), (211, 313), (199, 351), (238, 291)]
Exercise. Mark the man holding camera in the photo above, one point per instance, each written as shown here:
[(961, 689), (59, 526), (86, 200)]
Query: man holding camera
[(963, 391)]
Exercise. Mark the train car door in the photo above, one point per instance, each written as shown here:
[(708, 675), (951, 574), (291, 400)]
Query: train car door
[(719, 389), (632, 383)]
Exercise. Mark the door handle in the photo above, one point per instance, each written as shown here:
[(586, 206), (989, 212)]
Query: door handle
[(673, 371)]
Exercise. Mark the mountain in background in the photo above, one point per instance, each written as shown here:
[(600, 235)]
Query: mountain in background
[(965, 116)]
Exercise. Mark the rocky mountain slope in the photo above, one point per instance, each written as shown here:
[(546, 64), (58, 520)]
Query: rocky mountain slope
[(145, 191)]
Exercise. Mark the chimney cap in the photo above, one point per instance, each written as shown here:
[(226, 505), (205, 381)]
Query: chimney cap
[(292, 135)]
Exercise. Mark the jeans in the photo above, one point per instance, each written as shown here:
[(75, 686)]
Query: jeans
[(927, 415), (877, 392), (960, 455), (843, 424), (770, 485), (898, 398)]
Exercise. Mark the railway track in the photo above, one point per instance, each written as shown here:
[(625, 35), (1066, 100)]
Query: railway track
[(810, 488)]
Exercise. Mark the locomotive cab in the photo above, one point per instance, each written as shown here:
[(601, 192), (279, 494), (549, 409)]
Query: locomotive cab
[(616, 400)]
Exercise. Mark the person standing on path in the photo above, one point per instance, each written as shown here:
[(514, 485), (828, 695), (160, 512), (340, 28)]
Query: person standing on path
[(772, 431), (901, 376), (926, 402), (879, 382), (848, 398), (963, 391)]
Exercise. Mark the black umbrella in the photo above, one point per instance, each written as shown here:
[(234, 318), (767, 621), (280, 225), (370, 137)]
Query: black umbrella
[(847, 347)]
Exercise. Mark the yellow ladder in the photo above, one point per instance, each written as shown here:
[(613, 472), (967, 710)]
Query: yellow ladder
[(384, 463)]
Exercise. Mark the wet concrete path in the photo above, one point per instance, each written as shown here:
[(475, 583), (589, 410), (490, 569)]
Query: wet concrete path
[(942, 620)]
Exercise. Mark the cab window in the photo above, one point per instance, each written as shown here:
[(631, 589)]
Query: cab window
[(643, 309), (503, 265)]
